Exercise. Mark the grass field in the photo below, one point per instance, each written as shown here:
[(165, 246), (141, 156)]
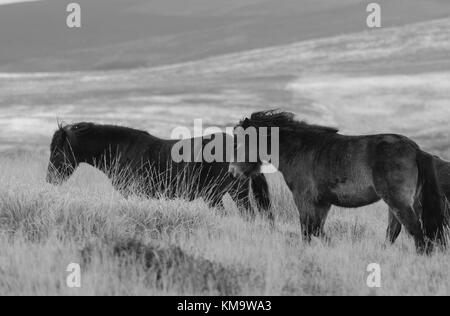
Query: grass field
[(148, 247), (392, 80)]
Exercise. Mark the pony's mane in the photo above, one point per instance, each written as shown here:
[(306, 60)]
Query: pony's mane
[(283, 120), (84, 128), (88, 127)]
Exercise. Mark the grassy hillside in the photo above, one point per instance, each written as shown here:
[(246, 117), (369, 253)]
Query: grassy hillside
[(148, 247), (393, 80), (127, 34)]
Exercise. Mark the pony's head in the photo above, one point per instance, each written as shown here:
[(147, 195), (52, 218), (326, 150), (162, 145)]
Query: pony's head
[(255, 138), (102, 146), (247, 162), (70, 146), (262, 133)]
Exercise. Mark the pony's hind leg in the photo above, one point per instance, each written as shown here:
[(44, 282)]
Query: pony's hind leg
[(401, 201), (394, 228), (411, 221), (395, 176)]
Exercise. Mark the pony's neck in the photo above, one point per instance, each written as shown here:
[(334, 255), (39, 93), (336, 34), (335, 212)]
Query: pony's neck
[(104, 158), (286, 154), (118, 152), (300, 148)]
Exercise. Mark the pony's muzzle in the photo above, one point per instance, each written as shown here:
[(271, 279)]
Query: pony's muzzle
[(52, 178)]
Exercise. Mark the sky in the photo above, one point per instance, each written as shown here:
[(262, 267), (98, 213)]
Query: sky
[(2, 2)]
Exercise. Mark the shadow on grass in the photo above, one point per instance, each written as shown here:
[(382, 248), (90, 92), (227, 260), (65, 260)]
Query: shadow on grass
[(171, 268)]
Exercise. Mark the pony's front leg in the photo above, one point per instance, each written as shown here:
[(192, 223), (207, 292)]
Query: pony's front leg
[(216, 203), (260, 190), (313, 216), (243, 202)]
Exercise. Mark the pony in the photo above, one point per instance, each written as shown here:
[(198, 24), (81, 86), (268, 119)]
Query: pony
[(323, 168), (136, 161)]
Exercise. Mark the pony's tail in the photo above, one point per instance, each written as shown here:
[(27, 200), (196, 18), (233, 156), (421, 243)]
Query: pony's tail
[(260, 190), (434, 203)]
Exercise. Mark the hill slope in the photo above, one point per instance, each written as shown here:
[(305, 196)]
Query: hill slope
[(119, 34), (390, 80)]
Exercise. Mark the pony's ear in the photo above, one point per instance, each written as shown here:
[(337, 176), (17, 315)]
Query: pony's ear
[(60, 124)]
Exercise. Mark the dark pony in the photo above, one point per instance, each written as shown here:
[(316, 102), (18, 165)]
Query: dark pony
[(139, 162), (324, 168)]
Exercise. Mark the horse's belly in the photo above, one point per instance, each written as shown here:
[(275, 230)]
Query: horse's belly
[(354, 194)]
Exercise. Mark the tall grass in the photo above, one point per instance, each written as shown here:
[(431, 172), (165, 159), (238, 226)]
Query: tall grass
[(134, 245)]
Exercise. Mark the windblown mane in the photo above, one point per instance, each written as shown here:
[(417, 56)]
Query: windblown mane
[(284, 120)]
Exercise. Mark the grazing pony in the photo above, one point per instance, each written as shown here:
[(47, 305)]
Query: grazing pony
[(324, 168), (136, 160)]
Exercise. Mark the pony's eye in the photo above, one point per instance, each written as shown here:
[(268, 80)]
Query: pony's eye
[(79, 128)]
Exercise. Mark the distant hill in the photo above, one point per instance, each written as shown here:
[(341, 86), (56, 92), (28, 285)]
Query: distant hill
[(121, 34), (394, 80)]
